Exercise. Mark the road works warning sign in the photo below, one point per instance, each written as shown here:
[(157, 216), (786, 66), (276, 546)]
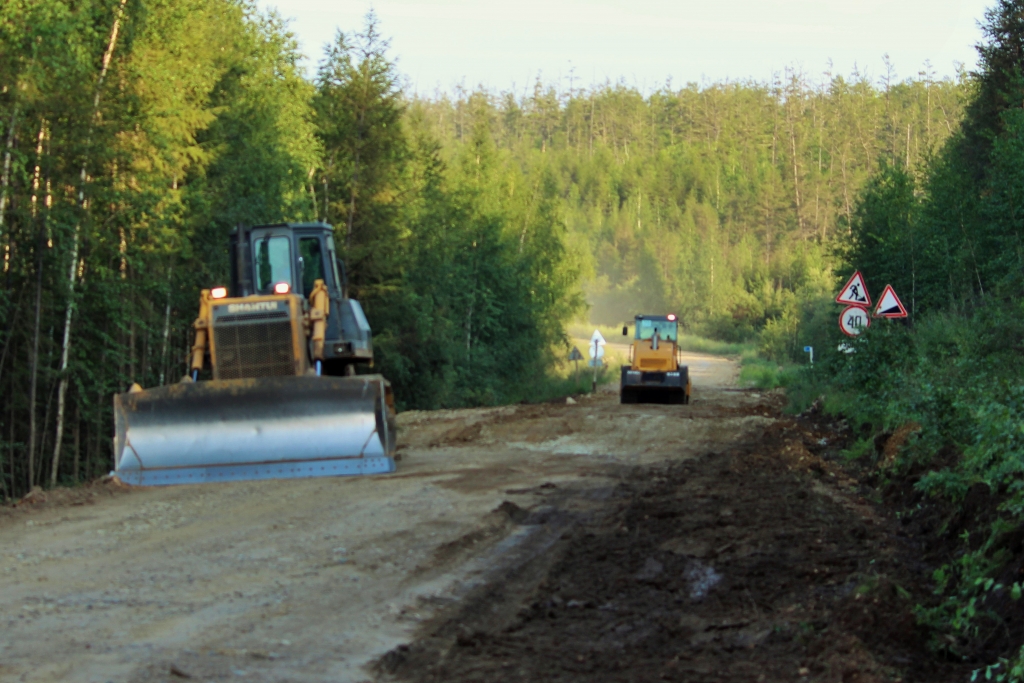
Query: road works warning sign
[(890, 306), (855, 292), (854, 320)]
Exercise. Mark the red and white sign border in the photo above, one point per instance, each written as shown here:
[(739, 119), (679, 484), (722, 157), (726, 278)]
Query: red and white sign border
[(903, 309), (867, 319), (863, 283)]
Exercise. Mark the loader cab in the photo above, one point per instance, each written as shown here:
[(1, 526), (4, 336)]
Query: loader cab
[(654, 344), (298, 254), (664, 327), (654, 328)]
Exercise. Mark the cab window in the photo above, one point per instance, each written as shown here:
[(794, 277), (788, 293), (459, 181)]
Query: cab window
[(667, 330), (312, 263), (273, 262)]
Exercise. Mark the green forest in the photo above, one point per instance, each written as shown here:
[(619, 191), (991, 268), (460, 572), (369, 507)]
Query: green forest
[(946, 231), (477, 225), (136, 133)]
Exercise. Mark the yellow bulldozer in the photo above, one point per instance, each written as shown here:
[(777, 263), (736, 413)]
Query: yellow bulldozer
[(272, 390), (654, 373)]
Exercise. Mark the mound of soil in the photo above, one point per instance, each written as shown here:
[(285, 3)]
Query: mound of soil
[(86, 494), (758, 564)]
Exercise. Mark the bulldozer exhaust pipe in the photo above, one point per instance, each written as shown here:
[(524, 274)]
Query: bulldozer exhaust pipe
[(267, 428)]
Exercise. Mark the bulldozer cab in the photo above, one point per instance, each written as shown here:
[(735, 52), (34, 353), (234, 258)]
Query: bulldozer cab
[(299, 254), (295, 254)]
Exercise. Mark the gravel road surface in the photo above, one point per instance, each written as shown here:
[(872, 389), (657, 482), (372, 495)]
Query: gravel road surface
[(485, 529)]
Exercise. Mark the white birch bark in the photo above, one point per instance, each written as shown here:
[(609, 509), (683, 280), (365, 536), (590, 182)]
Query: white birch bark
[(167, 324), (68, 312), (34, 372), (5, 177)]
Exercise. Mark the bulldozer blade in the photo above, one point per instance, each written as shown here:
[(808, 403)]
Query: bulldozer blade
[(267, 428)]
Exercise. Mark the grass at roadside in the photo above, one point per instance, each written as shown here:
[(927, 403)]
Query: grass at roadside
[(564, 380), (760, 373)]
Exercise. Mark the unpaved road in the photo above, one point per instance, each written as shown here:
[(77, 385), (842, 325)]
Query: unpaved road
[(489, 525)]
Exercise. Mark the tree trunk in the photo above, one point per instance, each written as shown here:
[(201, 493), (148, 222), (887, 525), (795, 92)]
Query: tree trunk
[(846, 199), (99, 430), (352, 203), (5, 176), (66, 344), (312, 192), (469, 328), (34, 371), (131, 346), (40, 476), (796, 180), (65, 350), (78, 439), (10, 449), (326, 217), (10, 332), (167, 325)]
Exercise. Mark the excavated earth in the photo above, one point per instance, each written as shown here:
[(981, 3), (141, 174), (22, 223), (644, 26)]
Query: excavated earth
[(580, 541)]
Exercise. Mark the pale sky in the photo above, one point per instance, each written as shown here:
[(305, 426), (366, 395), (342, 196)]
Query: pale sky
[(440, 44)]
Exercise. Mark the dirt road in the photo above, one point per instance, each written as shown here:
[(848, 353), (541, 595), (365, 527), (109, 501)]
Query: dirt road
[(512, 543)]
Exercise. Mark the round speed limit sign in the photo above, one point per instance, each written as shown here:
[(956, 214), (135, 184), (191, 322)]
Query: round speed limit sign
[(854, 320)]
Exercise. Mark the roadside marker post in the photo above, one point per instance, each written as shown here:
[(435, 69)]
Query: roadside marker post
[(597, 343), (575, 356)]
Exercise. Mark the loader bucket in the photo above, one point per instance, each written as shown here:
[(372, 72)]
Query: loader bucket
[(267, 428)]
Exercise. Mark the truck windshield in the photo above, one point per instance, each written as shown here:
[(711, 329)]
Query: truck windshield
[(667, 330), (273, 262)]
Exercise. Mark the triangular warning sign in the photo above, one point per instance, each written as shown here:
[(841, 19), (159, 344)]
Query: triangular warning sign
[(855, 292), (890, 306)]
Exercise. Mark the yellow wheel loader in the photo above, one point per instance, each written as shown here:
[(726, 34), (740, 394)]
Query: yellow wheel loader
[(654, 374), (272, 390)]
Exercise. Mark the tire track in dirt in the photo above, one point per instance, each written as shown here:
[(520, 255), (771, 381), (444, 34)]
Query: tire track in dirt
[(757, 563)]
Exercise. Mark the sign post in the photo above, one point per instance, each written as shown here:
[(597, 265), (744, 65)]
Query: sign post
[(575, 356), (810, 350), (596, 353)]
